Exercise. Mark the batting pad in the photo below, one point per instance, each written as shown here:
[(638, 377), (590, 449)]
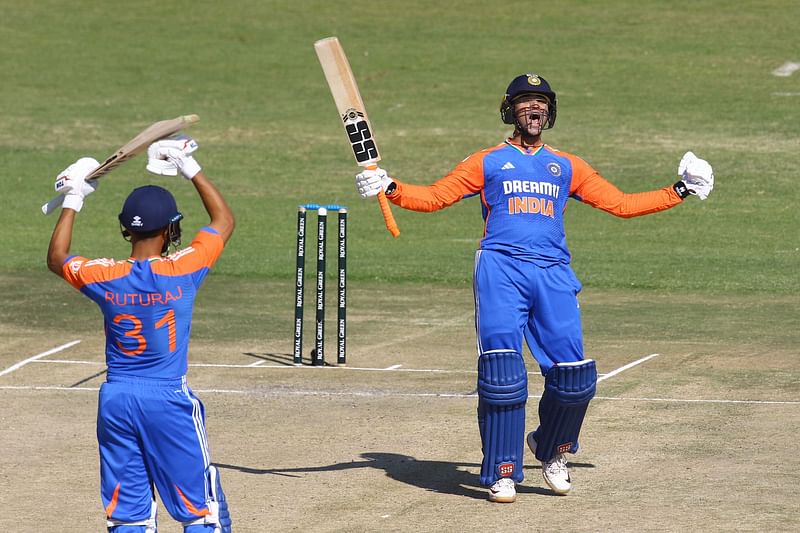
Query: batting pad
[(568, 388), (502, 393)]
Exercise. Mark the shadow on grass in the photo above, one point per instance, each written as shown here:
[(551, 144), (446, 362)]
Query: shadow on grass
[(436, 476)]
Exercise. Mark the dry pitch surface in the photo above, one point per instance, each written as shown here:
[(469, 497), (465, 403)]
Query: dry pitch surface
[(701, 437)]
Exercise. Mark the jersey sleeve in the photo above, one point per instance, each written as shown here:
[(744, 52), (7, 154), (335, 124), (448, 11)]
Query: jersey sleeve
[(589, 187), (464, 180), (208, 242), (196, 259), (79, 271)]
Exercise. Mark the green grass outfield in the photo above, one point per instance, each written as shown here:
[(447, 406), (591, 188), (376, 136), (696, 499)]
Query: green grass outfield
[(638, 83)]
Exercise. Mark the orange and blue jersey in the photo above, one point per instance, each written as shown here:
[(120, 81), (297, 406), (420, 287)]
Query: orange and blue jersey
[(147, 305), (524, 194), (523, 284)]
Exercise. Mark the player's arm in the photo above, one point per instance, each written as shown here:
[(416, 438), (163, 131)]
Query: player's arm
[(464, 180), (70, 182), (590, 187), (222, 219), (60, 242), (168, 157)]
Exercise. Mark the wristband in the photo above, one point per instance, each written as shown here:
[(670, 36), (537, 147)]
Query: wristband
[(189, 168), (681, 189), (73, 201)]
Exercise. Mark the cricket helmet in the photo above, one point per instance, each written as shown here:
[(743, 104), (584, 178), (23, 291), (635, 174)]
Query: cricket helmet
[(527, 84)]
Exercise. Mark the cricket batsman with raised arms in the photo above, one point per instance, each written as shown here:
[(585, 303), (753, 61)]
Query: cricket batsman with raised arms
[(523, 283), (150, 425)]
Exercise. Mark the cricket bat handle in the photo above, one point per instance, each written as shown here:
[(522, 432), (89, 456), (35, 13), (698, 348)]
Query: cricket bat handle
[(53, 204), (388, 217)]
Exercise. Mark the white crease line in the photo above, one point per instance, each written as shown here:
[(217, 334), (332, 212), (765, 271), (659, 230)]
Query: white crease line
[(19, 365), (257, 363), (337, 368), (393, 368), (685, 400), (626, 367), (379, 394), (47, 388), (70, 362)]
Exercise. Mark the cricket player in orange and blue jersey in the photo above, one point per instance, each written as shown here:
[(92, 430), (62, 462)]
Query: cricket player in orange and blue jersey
[(523, 284), (150, 426)]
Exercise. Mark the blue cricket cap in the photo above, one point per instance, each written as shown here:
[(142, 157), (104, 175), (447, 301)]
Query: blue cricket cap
[(149, 208)]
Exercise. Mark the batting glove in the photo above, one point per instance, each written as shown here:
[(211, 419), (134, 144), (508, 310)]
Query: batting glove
[(71, 182), (169, 156), (372, 181), (697, 177)]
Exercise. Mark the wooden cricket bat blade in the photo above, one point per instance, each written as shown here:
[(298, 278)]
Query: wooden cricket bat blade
[(352, 113), (154, 132)]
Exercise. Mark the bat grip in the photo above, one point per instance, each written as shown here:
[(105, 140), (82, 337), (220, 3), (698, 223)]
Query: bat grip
[(388, 217), (53, 204)]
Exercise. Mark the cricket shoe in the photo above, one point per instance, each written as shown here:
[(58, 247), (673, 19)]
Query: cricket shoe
[(554, 471), (503, 491)]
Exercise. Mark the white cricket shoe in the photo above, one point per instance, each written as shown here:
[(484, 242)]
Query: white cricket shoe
[(503, 491), (555, 471)]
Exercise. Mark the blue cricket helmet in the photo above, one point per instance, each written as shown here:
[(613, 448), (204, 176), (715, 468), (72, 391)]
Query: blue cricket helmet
[(527, 84), (148, 209)]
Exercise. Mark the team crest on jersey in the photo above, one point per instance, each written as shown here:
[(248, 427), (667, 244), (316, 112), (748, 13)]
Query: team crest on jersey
[(534, 80), (554, 168)]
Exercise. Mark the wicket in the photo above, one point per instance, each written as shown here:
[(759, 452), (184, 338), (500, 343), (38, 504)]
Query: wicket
[(318, 354)]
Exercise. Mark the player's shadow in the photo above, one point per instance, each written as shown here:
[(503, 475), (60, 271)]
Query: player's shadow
[(436, 476), (279, 358)]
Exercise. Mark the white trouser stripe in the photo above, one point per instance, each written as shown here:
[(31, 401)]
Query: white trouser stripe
[(199, 426), (477, 302)]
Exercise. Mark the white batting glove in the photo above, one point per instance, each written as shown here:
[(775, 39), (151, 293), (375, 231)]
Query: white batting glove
[(167, 157), (372, 181), (697, 174), (71, 182)]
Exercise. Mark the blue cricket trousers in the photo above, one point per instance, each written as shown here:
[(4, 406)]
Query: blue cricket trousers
[(516, 297), (152, 432)]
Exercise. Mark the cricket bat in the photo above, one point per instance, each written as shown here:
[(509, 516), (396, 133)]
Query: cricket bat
[(154, 132), (352, 113)]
